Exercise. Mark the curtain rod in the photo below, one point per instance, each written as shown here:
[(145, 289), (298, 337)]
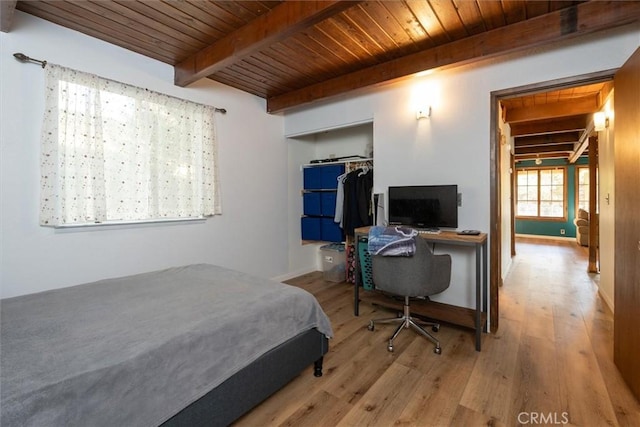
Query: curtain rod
[(24, 58)]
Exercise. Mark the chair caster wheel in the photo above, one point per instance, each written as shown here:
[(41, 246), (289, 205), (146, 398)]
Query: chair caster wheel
[(390, 348), (437, 350), (371, 327), (435, 328)]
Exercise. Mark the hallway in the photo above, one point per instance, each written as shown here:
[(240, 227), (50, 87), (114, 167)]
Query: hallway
[(565, 332)]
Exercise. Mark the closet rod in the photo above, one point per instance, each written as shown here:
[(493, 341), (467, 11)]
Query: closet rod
[(337, 162)]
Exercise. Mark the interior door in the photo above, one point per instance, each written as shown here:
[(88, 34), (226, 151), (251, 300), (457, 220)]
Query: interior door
[(626, 345)]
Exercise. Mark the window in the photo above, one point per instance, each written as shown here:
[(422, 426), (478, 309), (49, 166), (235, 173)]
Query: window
[(117, 153), (541, 193), (582, 188)]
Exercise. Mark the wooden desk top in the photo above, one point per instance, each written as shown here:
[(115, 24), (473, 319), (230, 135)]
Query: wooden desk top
[(443, 236)]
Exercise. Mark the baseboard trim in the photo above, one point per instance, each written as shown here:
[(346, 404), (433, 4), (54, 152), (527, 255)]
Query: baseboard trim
[(606, 300), (540, 236), (294, 274)]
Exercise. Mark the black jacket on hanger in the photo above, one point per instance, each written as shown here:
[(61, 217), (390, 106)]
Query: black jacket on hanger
[(357, 211)]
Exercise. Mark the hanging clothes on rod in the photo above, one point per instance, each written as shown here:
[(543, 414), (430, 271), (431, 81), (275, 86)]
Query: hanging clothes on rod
[(354, 186), (363, 166), (339, 218), (357, 209)]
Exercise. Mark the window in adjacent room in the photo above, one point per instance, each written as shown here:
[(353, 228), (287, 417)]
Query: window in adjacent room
[(541, 193), (114, 153), (582, 188)]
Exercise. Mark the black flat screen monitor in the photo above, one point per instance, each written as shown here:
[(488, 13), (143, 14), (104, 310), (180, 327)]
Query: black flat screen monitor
[(424, 206)]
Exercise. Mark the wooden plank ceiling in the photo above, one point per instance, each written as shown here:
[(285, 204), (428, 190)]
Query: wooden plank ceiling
[(293, 53), (555, 124)]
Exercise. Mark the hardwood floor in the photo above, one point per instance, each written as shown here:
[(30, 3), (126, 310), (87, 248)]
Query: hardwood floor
[(550, 362)]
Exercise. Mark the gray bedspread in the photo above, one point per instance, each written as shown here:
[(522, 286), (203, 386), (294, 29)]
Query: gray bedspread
[(134, 351)]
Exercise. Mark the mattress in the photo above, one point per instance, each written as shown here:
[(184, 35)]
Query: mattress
[(136, 350)]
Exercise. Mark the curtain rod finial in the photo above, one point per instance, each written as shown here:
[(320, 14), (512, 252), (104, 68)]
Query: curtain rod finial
[(21, 57)]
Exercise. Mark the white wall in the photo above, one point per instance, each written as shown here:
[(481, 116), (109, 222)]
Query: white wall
[(250, 235), (453, 145), (506, 149), (607, 202)]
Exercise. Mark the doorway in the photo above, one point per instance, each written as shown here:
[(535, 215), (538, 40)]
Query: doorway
[(553, 144), (544, 134)]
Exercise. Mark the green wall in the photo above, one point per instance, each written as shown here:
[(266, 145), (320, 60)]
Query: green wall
[(552, 228)]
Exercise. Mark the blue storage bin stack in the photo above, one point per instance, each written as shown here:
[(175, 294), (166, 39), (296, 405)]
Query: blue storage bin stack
[(319, 203)]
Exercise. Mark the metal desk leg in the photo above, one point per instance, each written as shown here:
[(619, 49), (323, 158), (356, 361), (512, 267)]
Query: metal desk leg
[(485, 286), (478, 298)]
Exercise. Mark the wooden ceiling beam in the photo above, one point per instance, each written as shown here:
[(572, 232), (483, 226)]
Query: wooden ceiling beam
[(571, 124), (7, 7), (585, 18), (582, 105), (282, 21), (523, 157), (560, 148), (553, 138), (581, 146)]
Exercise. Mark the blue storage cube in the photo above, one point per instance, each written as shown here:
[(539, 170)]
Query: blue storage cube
[(331, 232), (330, 174), (328, 203), (312, 203), (311, 229), (312, 178)]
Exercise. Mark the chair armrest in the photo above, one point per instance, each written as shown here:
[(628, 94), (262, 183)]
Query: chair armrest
[(579, 222)]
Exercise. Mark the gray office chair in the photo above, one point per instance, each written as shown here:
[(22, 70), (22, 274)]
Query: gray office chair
[(420, 275)]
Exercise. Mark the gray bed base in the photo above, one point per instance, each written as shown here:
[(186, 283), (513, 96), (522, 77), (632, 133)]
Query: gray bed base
[(254, 383)]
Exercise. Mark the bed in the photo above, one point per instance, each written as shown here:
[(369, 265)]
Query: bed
[(191, 345)]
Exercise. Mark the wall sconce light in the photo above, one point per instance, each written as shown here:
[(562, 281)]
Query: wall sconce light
[(600, 121), (423, 112), (538, 161)]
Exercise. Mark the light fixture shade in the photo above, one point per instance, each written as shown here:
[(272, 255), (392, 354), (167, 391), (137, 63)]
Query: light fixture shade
[(599, 121), (423, 112)]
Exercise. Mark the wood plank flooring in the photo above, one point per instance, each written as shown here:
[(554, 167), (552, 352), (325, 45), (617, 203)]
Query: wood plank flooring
[(550, 362)]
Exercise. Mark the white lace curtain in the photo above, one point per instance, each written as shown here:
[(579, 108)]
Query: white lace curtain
[(115, 152)]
